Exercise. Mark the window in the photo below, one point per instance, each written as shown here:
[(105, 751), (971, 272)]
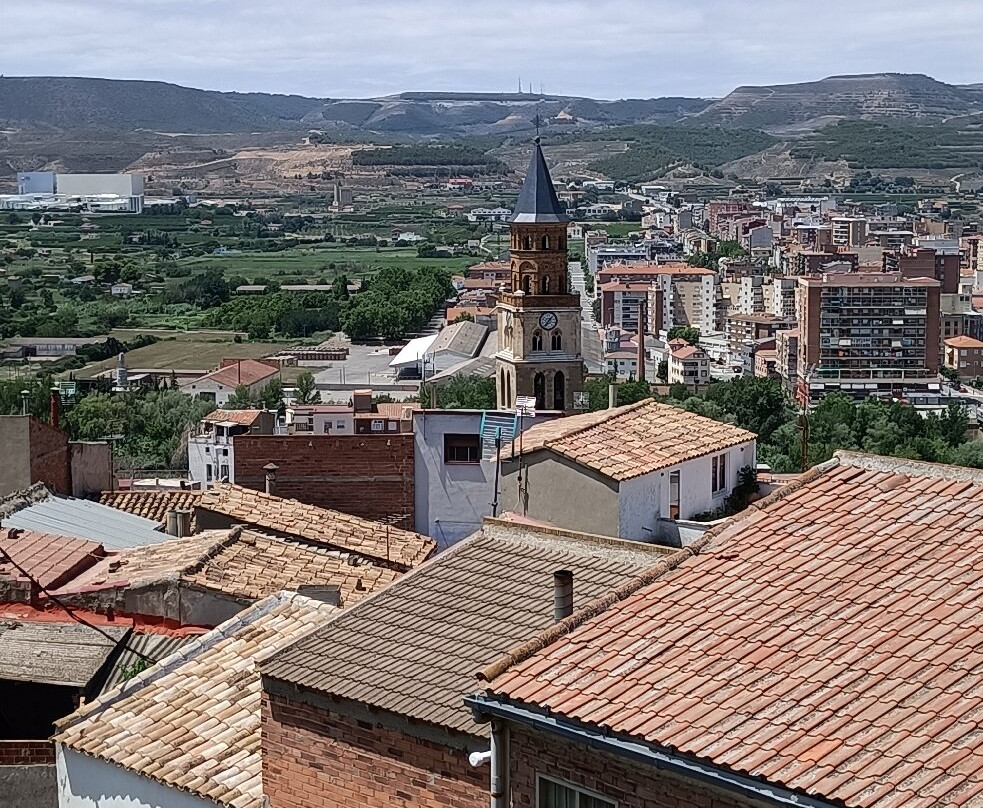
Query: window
[(556, 341), (460, 449), (539, 390), (527, 242), (208, 473), (537, 340), (546, 242), (339, 424), (225, 473), (377, 426), (559, 391), (718, 474), (554, 794)]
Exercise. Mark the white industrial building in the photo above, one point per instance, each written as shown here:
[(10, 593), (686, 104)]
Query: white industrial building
[(95, 193)]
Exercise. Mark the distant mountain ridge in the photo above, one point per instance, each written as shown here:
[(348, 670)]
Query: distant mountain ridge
[(88, 103), (867, 96), (69, 104)]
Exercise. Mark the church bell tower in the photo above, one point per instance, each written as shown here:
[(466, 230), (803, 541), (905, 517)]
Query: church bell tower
[(539, 329)]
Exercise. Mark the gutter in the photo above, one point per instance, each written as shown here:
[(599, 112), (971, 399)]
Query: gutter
[(487, 708)]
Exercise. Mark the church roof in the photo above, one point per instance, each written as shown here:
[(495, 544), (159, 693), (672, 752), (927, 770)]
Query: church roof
[(537, 199)]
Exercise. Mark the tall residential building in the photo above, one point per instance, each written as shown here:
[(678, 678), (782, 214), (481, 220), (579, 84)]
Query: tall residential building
[(867, 334), (849, 231), (539, 319), (939, 262)]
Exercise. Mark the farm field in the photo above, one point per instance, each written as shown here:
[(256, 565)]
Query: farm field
[(184, 354)]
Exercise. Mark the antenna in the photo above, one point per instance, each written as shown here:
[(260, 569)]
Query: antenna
[(520, 85)]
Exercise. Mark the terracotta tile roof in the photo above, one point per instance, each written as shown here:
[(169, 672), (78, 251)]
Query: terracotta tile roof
[(142, 566), (50, 560), (236, 562), (653, 269), (413, 648), (827, 641), (192, 721), (393, 410), (963, 342), (629, 441), (151, 504), (246, 371), (243, 417), (319, 526), (686, 352)]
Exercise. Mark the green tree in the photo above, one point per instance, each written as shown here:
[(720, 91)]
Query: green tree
[(466, 393), (953, 424), (464, 317), (684, 332), (306, 391), (662, 371), (271, 394), (241, 399)]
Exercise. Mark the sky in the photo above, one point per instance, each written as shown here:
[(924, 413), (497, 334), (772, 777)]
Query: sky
[(595, 48)]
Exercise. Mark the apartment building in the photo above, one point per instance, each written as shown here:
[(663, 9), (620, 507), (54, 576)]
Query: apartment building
[(621, 304), (849, 231), (867, 334), (687, 364), (940, 261), (965, 356)]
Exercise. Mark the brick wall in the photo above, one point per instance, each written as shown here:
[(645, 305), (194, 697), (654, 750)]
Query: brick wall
[(366, 476), (313, 757), (629, 784), (26, 753), (50, 458)]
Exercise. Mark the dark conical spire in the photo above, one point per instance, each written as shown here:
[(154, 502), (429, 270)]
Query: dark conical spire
[(537, 199)]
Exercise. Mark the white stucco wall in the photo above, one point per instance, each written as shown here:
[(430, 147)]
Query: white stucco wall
[(644, 499), (451, 500), (199, 458), (87, 782)]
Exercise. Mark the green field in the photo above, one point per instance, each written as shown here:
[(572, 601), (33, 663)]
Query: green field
[(313, 262)]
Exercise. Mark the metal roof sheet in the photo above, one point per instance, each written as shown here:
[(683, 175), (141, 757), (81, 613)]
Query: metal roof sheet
[(66, 516), (153, 646)]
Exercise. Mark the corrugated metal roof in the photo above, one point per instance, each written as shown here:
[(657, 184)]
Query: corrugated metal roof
[(154, 646), (65, 516), (67, 654)]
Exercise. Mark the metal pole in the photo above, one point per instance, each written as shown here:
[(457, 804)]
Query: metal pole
[(498, 467)]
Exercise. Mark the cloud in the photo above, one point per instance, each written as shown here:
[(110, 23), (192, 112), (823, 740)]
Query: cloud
[(604, 48)]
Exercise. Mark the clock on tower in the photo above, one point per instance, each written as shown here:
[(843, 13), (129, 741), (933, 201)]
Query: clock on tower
[(539, 319)]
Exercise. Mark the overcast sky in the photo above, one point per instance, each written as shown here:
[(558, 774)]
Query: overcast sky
[(599, 48)]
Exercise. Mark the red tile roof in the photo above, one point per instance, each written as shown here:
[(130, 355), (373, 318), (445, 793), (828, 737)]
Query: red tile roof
[(630, 441), (963, 342), (827, 640), (243, 417), (51, 560), (245, 371)]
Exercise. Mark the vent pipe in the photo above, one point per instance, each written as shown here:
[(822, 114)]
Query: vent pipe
[(270, 469), (562, 594), (612, 396), (55, 407)]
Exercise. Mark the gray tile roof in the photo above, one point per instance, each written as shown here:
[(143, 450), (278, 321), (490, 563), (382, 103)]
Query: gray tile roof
[(464, 338), (415, 647), (537, 199)]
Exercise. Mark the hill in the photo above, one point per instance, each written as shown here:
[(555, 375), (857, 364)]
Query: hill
[(107, 104), (876, 96)]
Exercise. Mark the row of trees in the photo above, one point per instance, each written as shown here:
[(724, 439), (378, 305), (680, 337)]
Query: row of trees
[(837, 422)]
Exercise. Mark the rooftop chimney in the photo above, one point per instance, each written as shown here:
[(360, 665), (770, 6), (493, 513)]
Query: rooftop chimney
[(171, 523), (25, 400), (562, 594), (612, 395), (55, 406), (270, 469)]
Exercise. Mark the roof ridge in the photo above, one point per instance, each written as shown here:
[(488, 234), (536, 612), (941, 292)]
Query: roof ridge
[(233, 536), (708, 540), (616, 412), (187, 651), (24, 498), (902, 465)]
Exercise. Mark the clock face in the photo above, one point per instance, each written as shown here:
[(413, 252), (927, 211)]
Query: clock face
[(548, 321)]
